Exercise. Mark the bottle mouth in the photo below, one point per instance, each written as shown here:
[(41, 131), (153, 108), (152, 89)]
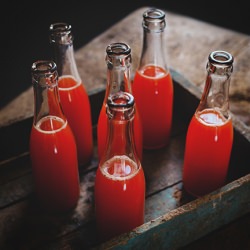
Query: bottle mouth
[(120, 106), (154, 20), (43, 66), (221, 57), (118, 49), (61, 32), (118, 55), (120, 100), (153, 14), (44, 72), (220, 62)]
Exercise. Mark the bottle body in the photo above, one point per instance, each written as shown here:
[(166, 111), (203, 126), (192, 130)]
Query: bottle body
[(118, 79), (153, 81), (209, 136), (52, 144), (73, 95), (123, 209), (120, 180)]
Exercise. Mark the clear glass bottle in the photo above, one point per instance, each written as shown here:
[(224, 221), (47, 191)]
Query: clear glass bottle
[(120, 181), (52, 144), (153, 81), (210, 133), (73, 95), (118, 59)]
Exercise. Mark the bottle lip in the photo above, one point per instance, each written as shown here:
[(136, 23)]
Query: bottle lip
[(120, 99), (61, 32), (118, 48), (221, 57), (43, 66), (154, 14), (154, 20)]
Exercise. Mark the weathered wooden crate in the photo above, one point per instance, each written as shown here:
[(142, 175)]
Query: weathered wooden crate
[(172, 218)]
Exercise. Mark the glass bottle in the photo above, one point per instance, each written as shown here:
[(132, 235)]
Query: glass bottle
[(120, 180), (73, 95), (118, 59), (209, 136), (153, 81), (52, 143)]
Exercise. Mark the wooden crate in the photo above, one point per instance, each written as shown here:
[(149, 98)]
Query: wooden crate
[(172, 218)]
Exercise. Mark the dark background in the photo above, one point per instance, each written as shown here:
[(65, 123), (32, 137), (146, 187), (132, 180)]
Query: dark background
[(25, 28)]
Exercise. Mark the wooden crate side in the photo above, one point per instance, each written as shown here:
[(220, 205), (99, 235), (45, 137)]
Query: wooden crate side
[(189, 222)]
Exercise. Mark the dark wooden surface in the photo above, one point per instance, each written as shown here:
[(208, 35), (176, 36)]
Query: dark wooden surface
[(169, 210), (189, 42)]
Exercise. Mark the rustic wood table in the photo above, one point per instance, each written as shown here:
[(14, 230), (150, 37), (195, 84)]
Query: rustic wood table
[(188, 44)]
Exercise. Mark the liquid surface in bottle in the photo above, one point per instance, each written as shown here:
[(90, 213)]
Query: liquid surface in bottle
[(120, 196), (76, 106), (153, 91), (53, 156), (208, 148)]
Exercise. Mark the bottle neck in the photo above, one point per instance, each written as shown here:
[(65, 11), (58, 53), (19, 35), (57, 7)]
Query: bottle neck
[(153, 38), (216, 90), (152, 49), (118, 61), (62, 39), (45, 87)]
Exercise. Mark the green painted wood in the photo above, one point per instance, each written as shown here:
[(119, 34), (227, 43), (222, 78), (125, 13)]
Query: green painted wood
[(189, 222)]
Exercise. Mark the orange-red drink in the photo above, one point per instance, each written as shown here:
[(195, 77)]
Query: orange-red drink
[(207, 153), (119, 197), (54, 164), (153, 92), (102, 132), (76, 106)]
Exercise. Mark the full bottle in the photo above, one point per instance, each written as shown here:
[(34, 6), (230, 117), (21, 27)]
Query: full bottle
[(73, 95), (152, 84), (120, 181), (209, 136), (52, 144), (118, 59)]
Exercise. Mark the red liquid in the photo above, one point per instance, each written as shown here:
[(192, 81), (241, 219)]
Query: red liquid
[(119, 197), (76, 106), (54, 164), (102, 131), (153, 92), (207, 153)]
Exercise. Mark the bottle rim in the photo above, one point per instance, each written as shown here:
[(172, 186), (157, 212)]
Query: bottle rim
[(43, 66), (61, 32), (154, 20), (127, 97), (154, 14), (221, 57), (118, 48)]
